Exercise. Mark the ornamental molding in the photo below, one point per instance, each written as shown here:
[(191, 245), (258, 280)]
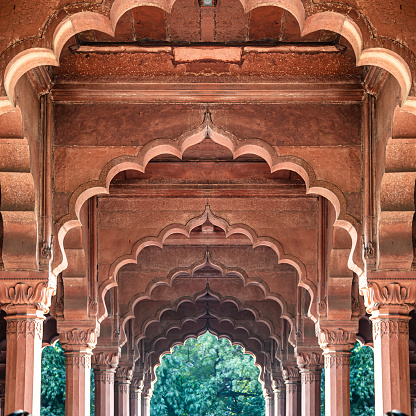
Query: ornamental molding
[(124, 374), (337, 360), (105, 359), (306, 359), (308, 377), (377, 295), (78, 337), (290, 374), (293, 388), (123, 386), (394, 327), (338, 337), (25, 327), (37, 295), (78, 359), (106, 377)]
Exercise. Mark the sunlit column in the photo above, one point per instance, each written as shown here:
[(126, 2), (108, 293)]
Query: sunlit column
[(291, 377), (391, 359), (23, 359), (78, 344), (279, 392), (146, 398), (310, 364), (104, 365), (124, 374), (268, 401), (136, 389), (336, 345)]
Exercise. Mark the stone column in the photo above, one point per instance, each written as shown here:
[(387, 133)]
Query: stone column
[(336, 345), (310, 364), (291, 377), (136, 389), (391, 360), (78, 344), (279, 392), (268, 401), (104, 364), (25, 307), (124, 374), (2, 397), (146, 398), (412, 399)]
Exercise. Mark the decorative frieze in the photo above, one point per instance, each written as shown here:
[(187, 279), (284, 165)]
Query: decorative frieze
[(106, 377), (79, 337), (391, 327), (122, 387), (291, 373), (37, 295), (78, 359), (307, 376), (309, 359), (336, 337), (105, 359), (336, 359), (26, 327), (377, 295)]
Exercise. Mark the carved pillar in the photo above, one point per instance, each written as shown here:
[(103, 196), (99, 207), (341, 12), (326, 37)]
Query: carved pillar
[(389, 306), (412, 399), (25, 307), (136, 389), (104, 364), (336, 345), (310, 364), (291, 377), (146, 398), (78, 343), (391, 361), (124, 374), (2, 398), (279, 392), (268, 401)]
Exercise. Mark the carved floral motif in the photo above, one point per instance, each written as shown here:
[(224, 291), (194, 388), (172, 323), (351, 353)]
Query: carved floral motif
[(79, 359), (105, 359), (290, 373), (332, 337), (79, 337), (390, 327), (24, 294), (307, 376), (337, 359), (376, 296), (25, 327), (309, 359), (106, 377)]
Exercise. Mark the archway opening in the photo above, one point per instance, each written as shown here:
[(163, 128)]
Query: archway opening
[(207, 376)]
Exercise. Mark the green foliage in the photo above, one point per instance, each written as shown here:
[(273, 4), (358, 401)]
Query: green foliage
[(207, 377), (361, 382), (53, 382)]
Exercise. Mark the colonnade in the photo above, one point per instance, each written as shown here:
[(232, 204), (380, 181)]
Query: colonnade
[(293, 389)]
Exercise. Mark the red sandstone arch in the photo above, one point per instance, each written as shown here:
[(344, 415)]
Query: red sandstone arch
[(177, 148), (131, 258), (328, 20)]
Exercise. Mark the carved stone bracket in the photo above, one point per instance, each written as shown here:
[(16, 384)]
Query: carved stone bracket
[(310, 359), (291, 374), (337, 338), (378, 295), (105, 359), (15, 298), (78, 336), (124, 374)]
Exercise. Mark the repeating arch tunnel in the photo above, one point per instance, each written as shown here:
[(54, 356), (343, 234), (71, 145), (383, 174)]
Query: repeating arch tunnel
[(284, 327)]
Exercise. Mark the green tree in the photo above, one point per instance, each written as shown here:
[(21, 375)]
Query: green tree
[(207, 377), (53, 382), (361, 382)]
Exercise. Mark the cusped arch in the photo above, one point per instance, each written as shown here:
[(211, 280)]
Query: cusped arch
[(207, 215), (87, 20), (193, 299), (177, 148), (234, 341)]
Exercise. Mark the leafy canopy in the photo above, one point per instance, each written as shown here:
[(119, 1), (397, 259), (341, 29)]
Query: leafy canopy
[(207, 377)]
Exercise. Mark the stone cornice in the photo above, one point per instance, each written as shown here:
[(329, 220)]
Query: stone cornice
[(207, 92)]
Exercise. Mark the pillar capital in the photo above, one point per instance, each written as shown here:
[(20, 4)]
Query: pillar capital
[(309, 358), (77, 336), (337, 338), (105, 358), (389, 292), (33, 297)]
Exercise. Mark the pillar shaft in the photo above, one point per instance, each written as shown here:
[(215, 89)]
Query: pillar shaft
[(311, 391), (78, 382), (269, 403), (78, 344), (293, 405), (146, 398), (104, 391), (122, 398), (23, 361), (279, 401), (391, 362), (337, 382)]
